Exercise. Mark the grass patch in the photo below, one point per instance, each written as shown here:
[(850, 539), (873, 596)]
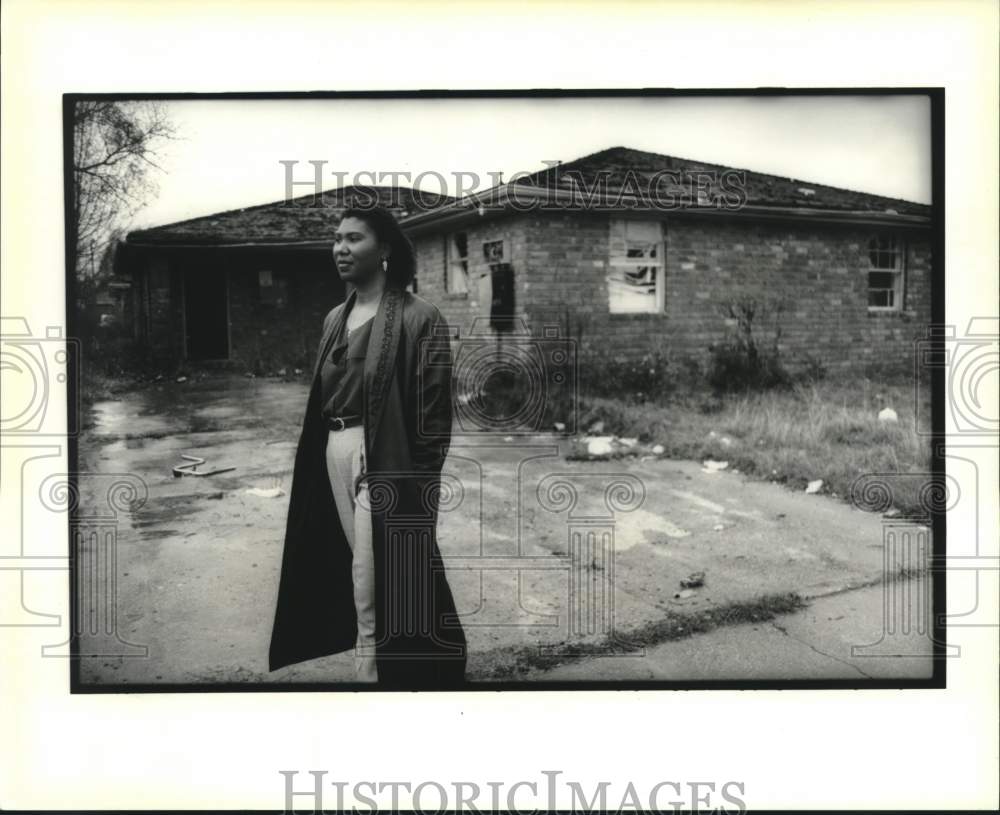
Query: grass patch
[(825, 430), (505, 664)]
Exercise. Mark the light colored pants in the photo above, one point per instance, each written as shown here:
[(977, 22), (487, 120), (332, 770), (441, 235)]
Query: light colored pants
[(344, 463)]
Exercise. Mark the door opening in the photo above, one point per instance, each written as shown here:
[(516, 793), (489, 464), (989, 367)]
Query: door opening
[(206, 314)]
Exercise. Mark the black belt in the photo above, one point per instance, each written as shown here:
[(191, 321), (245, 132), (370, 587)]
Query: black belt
[(341, 422)]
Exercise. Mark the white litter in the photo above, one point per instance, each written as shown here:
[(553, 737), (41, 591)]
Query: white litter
[(710, 466), (718, 527), (273, 492), (559, 426), (814, 486), (182, 379), (596, 427), (658, 449), (600, 445), (629, 442), (888, 415)]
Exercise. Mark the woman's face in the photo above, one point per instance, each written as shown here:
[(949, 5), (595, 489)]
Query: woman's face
[(356, 251)]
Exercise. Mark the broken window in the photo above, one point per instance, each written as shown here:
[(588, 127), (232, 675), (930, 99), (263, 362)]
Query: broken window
[(457, 264), (635, 267), (885, 273)]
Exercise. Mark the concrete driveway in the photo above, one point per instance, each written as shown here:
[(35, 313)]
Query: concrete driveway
[(550, 560)]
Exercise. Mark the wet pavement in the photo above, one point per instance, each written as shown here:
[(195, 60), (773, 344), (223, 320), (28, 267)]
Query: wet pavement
[(544, 555)]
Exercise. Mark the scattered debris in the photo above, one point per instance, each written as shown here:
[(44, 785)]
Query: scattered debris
[(282, 371), (273, 492), (508, 438), (694, 580), (888, 415), (710, 466), (191, 467), (596, 428), (182, 379), (559, 426), (590, 447), (600, 445), (814, 486), (298, 371), (718, 527), (892, 513), (683, 595)]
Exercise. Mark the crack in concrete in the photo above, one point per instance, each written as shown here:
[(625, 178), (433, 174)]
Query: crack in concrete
[(809, 645)]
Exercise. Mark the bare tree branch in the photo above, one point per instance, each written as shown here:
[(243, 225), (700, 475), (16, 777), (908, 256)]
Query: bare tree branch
[(114, 150)]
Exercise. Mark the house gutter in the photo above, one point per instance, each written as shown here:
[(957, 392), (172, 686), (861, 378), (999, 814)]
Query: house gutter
[(534, 199)]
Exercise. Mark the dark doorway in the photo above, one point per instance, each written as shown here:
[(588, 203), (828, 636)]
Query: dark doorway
[(206, 314)]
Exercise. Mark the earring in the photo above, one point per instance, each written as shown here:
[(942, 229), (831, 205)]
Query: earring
[(385, 265)]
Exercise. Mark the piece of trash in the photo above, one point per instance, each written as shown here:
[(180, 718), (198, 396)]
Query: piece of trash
[(600, 446), (298, 370), (559, 426), (888, 415), (693, 581), (718, 527), (508, 438), (683, 595), (629, 442), (814, 486), (892, 513), (191, 467), (658, 449), (597, 427), (726, 441), (710, 466), (182, 379), (282, 371), (273, 492)]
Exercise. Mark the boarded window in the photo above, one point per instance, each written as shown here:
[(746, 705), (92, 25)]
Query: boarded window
[(885, 273), (635, 267), (457, 264)]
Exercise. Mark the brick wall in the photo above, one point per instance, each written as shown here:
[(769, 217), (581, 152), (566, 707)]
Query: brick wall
[(263, 337), (819, 273)]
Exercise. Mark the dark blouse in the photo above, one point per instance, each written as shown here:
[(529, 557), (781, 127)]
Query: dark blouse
[(342, 373)]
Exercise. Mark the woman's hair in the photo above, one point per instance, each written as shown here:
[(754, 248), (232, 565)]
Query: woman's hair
[(402, 261)]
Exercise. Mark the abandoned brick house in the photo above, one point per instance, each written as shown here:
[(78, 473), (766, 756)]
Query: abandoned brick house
[(625, 251)]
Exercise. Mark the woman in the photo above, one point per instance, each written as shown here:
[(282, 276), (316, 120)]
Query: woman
[(361, 566)]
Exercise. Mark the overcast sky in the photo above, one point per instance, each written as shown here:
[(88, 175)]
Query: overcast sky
[(228, 152)]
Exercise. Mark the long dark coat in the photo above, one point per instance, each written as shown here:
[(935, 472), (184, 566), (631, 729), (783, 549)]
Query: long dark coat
[(407, 420)]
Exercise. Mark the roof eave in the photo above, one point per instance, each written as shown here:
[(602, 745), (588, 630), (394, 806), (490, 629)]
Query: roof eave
[(475, 208)]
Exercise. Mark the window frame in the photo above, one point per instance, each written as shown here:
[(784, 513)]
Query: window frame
[(898, 252), (657, 260), (453, 261)]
